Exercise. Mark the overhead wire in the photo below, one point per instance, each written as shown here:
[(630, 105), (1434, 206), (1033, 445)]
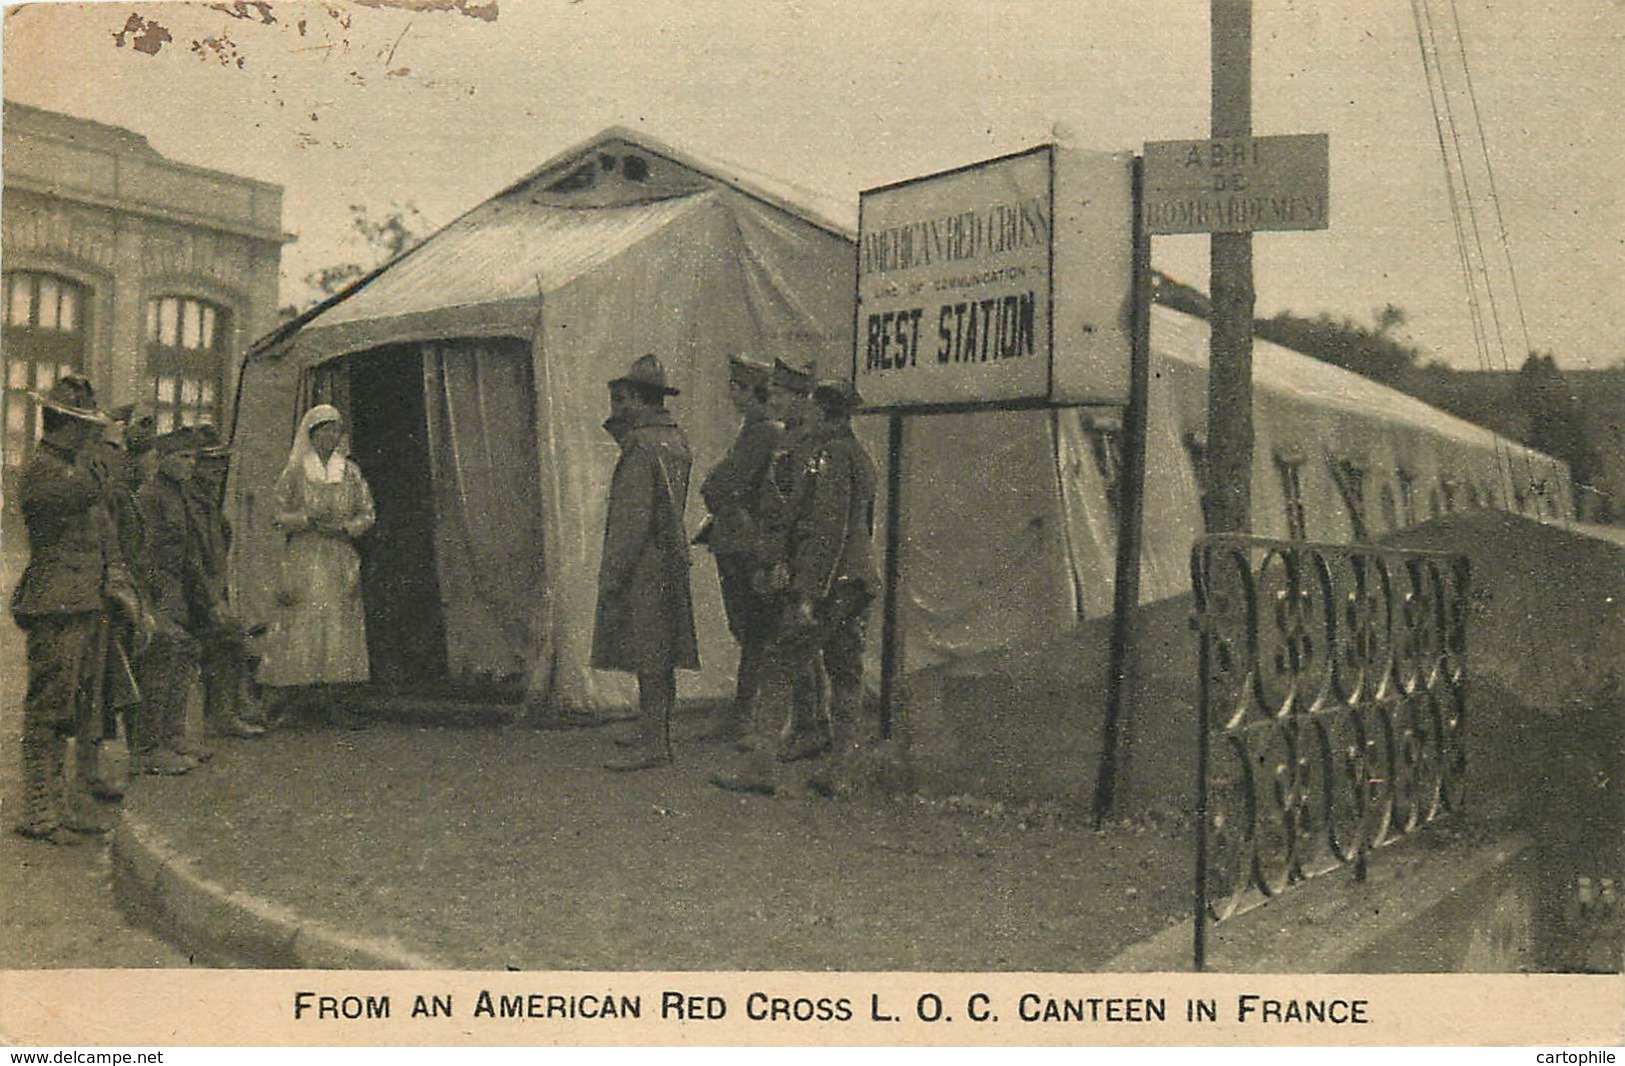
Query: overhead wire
[(1464, 220), (1495, 201), (1487, 360)]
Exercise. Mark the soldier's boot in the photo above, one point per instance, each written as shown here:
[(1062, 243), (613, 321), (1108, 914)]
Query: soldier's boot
[(42, 756), (733, 721), (83, 814), (88, 772), (807, 735), (656, 695), (189, 749), (250, 707), (148, 752), (174, 738), (834, 776), (160, 762), (221, 688)]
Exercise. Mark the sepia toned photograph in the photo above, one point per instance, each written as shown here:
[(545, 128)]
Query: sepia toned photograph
[(1081, 490)]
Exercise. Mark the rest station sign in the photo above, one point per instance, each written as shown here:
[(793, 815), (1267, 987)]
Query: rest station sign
[(1004, 283)]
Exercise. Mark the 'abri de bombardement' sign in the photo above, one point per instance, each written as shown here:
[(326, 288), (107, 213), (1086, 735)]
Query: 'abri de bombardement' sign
[(1237, 184), (1001, 283)]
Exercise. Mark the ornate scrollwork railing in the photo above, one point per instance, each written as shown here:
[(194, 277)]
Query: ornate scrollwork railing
[(1331, 709)]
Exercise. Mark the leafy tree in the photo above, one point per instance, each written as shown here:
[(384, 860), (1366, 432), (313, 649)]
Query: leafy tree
[(1555, 416), (1371, 351), (376, 240)]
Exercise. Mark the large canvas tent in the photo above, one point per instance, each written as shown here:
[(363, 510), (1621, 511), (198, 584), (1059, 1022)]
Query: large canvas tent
[(473, 369)]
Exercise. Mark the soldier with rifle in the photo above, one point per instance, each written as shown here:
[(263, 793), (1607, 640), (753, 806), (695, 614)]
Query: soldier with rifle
[(73, 588)]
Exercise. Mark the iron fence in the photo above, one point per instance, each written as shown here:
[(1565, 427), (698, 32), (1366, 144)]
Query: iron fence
[(1331, 706)]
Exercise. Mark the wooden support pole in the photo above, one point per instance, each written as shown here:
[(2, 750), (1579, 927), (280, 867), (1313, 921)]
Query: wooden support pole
[(890, 653), (1230, 366)]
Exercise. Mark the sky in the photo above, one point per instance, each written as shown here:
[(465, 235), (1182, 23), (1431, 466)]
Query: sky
[(441, 103)]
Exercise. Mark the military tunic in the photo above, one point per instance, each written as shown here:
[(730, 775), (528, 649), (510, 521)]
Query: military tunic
[(64, 603), (733, 493), (825, 546), (73, 578), (176, 596)]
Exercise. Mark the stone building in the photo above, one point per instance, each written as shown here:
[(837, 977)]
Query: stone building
[(150, 277)]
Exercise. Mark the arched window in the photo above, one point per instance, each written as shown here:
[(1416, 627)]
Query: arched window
[(45, 331), (185, 360)]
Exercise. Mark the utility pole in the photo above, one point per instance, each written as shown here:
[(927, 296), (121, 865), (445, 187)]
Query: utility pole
[(1230, 366)]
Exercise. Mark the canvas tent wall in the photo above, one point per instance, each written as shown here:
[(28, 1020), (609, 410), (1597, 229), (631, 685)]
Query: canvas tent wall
[(1009, 517), (1009, 540), (547, 291), (1008, 532)]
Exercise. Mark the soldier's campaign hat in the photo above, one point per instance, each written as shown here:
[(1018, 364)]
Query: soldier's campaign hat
[(181, 439), (74, 396), (646, 373), (141, 434), (837, 396), (748, 372), (796, 379), (209, 443)]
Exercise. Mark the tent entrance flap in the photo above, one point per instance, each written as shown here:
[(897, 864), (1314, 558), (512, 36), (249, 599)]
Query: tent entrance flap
[(400, 585), (445, 434)]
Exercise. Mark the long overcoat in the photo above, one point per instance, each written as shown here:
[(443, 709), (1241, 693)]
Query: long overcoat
[(645, 618)]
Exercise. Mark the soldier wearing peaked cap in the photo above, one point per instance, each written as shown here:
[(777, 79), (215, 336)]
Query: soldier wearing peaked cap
[(644, 623), (74, 585), (790, 401), (733, 493), (177, 591)]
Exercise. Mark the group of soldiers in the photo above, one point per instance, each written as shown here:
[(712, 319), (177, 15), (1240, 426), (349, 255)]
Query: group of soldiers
[(791, 522), (123, 602)]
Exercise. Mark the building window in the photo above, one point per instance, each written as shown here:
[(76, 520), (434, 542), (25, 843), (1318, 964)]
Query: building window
[(1450, 488), (1290, 470), (1351, 486), (186, 341), (1196, 452), (1106, 446), (1390, 509), (1407, 496), (45, 330)]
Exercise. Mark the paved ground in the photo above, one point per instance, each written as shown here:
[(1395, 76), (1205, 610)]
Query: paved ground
[(56, 904), (491, 847)]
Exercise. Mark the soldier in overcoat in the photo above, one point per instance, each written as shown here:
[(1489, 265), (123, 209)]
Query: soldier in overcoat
[(733, 493), (644, 623), (73, 586)]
